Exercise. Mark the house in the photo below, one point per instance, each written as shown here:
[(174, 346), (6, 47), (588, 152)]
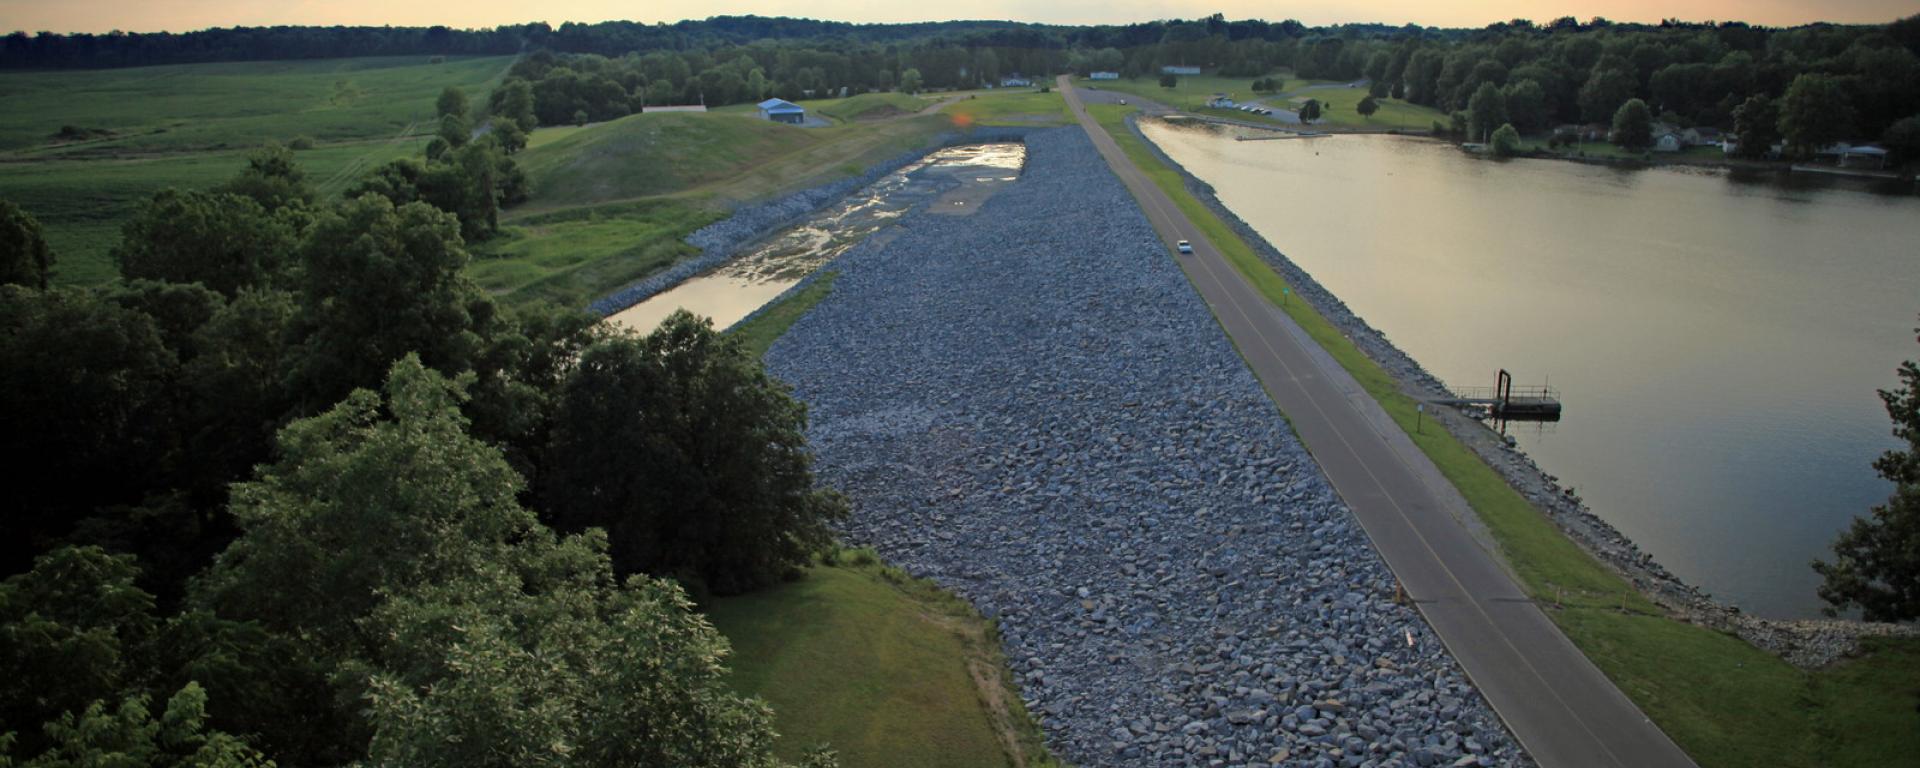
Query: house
[(1104, 76), (783, 111), (1221, 101), (1015, 81), (1172, 69), (1701, 136), (1668, 141)]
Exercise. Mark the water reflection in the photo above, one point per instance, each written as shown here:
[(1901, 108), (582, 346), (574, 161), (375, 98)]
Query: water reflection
[(953, 180), (1717, 338)]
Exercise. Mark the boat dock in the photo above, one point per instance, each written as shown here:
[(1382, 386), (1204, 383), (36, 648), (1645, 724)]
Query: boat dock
[(1506, 401)]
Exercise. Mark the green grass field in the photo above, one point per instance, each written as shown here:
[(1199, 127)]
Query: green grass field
[(1009, 108), (81, 203), (191, 126), (868, 106), (1726, 702), (1338, 103), (890, 671), (200, 107)]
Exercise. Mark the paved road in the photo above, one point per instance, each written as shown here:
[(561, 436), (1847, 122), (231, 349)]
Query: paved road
[(1564, 711)]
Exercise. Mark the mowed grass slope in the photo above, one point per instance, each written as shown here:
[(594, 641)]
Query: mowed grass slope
[(868, 106), (573, 256), (196, 107), (731, 155), (888, 670), (1724, 701), (1009, 108)]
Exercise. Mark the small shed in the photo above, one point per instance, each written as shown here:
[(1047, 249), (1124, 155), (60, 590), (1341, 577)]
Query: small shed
[(1863, 156), (1104, 76), (783, 111), (1179, 69)]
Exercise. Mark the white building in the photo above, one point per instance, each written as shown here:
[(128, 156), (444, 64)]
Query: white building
[(1172, 69), (1104, 76)]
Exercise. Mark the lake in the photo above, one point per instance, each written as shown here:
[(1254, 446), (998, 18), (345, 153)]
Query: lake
[(1717, 341)]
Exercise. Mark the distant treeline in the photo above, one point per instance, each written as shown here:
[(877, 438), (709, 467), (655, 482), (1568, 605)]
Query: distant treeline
[(1563, 71)]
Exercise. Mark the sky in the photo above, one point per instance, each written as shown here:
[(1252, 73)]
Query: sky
[(186, 15)]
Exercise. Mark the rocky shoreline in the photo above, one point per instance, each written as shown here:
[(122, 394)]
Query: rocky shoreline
[(746, 225), (1031, 407), (1806, 643)]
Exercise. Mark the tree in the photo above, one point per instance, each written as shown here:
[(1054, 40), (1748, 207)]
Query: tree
[(910, 81), (1876, 565), (691, 458), (1814, 113), (272, 179), (1367, 107), (89, 412), (1603, 93), (380, 281), (1903, 139), (1169, 81), (1527, 105), (454, 130), (25, 258), (1633, 125), (453, 626), (1505, 141), (1755, 126), (579, 117), (513, 100), (218, 239), (452, 103), (128, 736), (1487, 110), (510, 135), (1310, 111)]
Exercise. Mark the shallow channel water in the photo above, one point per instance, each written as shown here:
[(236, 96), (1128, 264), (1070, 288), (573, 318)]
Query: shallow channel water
[(1717, 341), (952, 181)]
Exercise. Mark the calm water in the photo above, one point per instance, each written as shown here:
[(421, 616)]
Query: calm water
[(1717, 342), (952, 181)]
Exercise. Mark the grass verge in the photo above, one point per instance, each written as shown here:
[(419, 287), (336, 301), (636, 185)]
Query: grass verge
[(1009, 108), (887, 669), (1724, 701), (760, 331)]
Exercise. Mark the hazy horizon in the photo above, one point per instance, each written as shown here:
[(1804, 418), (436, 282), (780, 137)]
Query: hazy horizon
[(99, 16)]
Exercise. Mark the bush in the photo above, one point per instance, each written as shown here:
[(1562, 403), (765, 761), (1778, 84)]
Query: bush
[(1506, 141), (300, 143)]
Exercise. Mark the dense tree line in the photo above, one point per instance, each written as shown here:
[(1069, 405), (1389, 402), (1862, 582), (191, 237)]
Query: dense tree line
[(296, 489)]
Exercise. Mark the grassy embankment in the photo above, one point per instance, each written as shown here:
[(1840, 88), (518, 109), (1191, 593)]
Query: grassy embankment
[(888, 669), (191, 126), (1337, 103), (1726, 702)]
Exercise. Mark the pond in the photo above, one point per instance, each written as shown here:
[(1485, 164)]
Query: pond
[(1717, 339), (952, 181)]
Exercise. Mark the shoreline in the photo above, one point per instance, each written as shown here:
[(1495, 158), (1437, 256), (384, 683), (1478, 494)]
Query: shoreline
[(748, 224), (1804, 643)]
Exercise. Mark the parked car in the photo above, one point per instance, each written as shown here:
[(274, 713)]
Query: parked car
[(1184, 247)]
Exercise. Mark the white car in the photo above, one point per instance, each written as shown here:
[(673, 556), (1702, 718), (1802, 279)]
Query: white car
[(1183, 247)]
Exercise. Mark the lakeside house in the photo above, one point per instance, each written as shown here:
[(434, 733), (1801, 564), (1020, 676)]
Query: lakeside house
[(1221, 101), (783, 111), (1180, 69), (1668, 141), (1104, 76), (1015, 81), (1865, 156)]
